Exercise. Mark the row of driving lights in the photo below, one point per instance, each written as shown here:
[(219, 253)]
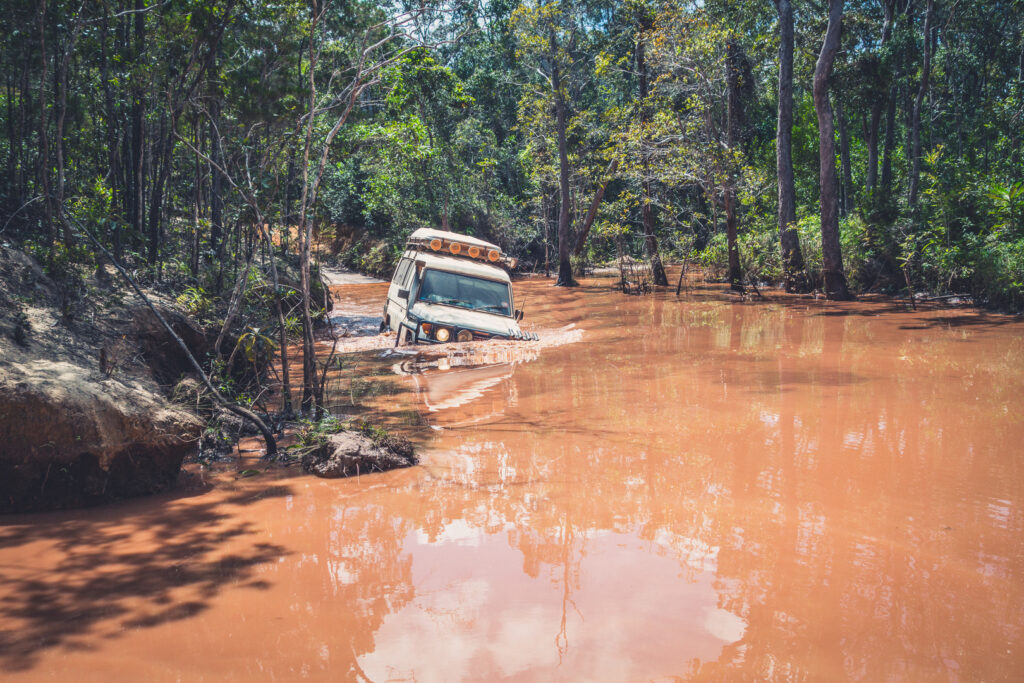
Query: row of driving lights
[(472, 251)]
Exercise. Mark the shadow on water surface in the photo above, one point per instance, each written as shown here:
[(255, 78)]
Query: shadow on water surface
[(131, 566), (953, 321)]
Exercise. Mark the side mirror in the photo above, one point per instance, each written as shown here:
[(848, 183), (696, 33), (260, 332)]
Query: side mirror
[(403, 294), (519, 315)]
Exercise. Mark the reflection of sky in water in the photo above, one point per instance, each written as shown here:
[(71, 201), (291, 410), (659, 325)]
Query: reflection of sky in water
[(477, 615)]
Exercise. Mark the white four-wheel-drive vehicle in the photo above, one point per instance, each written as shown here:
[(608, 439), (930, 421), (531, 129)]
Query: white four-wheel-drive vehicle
[(450, 287)]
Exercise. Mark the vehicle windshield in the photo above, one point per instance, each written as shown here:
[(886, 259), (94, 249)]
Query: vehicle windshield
[(465, 291)]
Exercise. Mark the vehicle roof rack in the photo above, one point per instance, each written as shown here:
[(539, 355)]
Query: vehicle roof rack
[(447, 243)]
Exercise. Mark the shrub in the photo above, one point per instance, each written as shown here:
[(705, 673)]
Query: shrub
[(760, 255), (998, 271)]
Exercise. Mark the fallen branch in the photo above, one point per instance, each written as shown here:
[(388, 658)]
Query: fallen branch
[(268, 436)]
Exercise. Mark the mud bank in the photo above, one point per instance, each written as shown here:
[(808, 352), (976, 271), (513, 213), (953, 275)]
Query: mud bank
[(82, 416)]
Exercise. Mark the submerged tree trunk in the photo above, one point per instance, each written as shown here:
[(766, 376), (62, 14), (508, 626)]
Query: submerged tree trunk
[(832, 258), (792, 257), (650, 239), (565, 278), (915, 124)]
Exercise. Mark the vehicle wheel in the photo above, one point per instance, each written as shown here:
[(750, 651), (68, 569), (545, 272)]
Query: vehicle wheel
[(383, 326)]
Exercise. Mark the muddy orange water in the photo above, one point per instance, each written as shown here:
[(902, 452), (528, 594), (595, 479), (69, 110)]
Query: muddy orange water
[(669, 488)]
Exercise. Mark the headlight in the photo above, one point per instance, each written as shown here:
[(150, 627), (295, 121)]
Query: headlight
[(464, 336), (443, 334)]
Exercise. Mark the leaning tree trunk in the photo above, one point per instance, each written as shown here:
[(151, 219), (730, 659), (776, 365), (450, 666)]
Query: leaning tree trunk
[(245, 413), (650, 239), (915, 124), (565, 278), (792, 257), (831, 253), (595, 204)]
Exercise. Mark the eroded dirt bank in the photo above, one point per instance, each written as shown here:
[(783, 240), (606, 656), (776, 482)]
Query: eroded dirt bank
[(83, 419), (698, 488)]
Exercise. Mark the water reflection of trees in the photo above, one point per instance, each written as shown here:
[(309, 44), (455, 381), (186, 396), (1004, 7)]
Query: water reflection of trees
[(847, 504), (844, 480)]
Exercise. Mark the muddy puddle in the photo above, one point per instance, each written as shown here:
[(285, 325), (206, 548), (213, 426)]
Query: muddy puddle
[(662, 488)]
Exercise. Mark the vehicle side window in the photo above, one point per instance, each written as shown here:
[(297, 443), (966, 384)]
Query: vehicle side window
[(402, 272)]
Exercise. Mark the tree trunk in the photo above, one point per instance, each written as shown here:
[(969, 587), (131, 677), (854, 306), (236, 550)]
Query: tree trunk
[(734, 116), (305, 236), (658, 275), (565, 278), (832, 258), (890, 143), (282, 329), (165, 147), (871, 139), (915, 124), (216, 183), (44, 145), (62, 110), (792, 257), (138, 131), (845, 201), (110, 113), (581, 238), (309, 390), (877, 105), (731, 234), (890, 116)]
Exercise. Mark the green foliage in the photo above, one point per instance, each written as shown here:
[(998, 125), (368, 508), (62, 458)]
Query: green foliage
[(760, 258), (714, 257), (378, 260), (809, 230), (196, 301), (462, 134), (313, 434), (998, 271), (1007, 208), (257, 344)]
